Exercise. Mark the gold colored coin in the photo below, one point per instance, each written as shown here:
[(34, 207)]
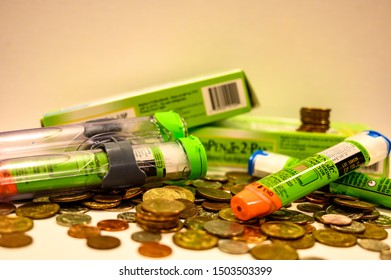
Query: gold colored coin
[(304, 242), (15, 224), (283, 229), (132, 193), (190, 209), (37, 210), (274, 252), (113, 225), (334, 238), (103, 242), (66, 197), (195, 240), (214, 194), (163, 207), (169, 193), (357, 204), (373, 231), (106, 198), (197, 222), (15, 240), (83, 231), (99, 205), (154, 250)]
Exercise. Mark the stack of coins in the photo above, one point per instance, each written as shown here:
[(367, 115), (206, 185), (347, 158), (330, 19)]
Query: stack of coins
[(314, 119), (159, 215)]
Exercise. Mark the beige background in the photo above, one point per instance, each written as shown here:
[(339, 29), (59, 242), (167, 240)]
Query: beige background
[(334, 53)]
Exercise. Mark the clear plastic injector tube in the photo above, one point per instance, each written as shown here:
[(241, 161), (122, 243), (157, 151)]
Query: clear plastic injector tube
[(160, 127), (112, 165)]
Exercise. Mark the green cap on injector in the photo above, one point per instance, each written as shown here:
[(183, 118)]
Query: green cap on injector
[(172, 125), (196, 155)]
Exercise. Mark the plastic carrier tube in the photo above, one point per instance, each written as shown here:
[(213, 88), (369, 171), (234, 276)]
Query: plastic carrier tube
[(114, 165), (289, 184), (160, 127)]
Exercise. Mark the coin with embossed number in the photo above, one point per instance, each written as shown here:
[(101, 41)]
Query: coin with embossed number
[(103, 242), (37, 210), (15, 240), (154, 250), (274, 252)]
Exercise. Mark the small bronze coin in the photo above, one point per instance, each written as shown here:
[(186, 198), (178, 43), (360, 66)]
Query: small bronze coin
[(83, 231), (357, 204), (154, 250), (190, 208), (15, 240), (215, 206), (107, 198), (113, 225), (6, 208), (309, 207), (103, 242), (37, 210)]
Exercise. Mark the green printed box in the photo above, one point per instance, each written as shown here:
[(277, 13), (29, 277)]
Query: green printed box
[(199, 101), (230, 142)]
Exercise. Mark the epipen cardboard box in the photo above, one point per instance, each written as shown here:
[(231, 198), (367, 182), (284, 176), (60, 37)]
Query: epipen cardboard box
[(230, 142), (199, 101)]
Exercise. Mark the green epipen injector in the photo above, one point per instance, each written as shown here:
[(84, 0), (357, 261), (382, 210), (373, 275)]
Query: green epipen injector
[(112, 165), (160, 127)]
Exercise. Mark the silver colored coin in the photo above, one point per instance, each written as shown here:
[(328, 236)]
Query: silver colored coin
[(146, 236), (70, 219), (223, 228), (336, 219), (233, 246), (373, 244)]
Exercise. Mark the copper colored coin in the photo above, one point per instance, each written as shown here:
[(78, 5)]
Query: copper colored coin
[(6, 208), (103, 242), (113, 225), (15, 240), (154, 250), (83, 231)]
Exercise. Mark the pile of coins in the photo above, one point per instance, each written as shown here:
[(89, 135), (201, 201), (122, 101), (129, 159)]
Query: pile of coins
[(197, 215), (314, 119), (159, 215)]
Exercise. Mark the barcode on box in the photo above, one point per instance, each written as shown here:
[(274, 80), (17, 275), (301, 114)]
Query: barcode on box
[(224, 97)]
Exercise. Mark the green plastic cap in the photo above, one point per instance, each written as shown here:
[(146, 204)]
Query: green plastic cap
[(196, 155), (172, 125)]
